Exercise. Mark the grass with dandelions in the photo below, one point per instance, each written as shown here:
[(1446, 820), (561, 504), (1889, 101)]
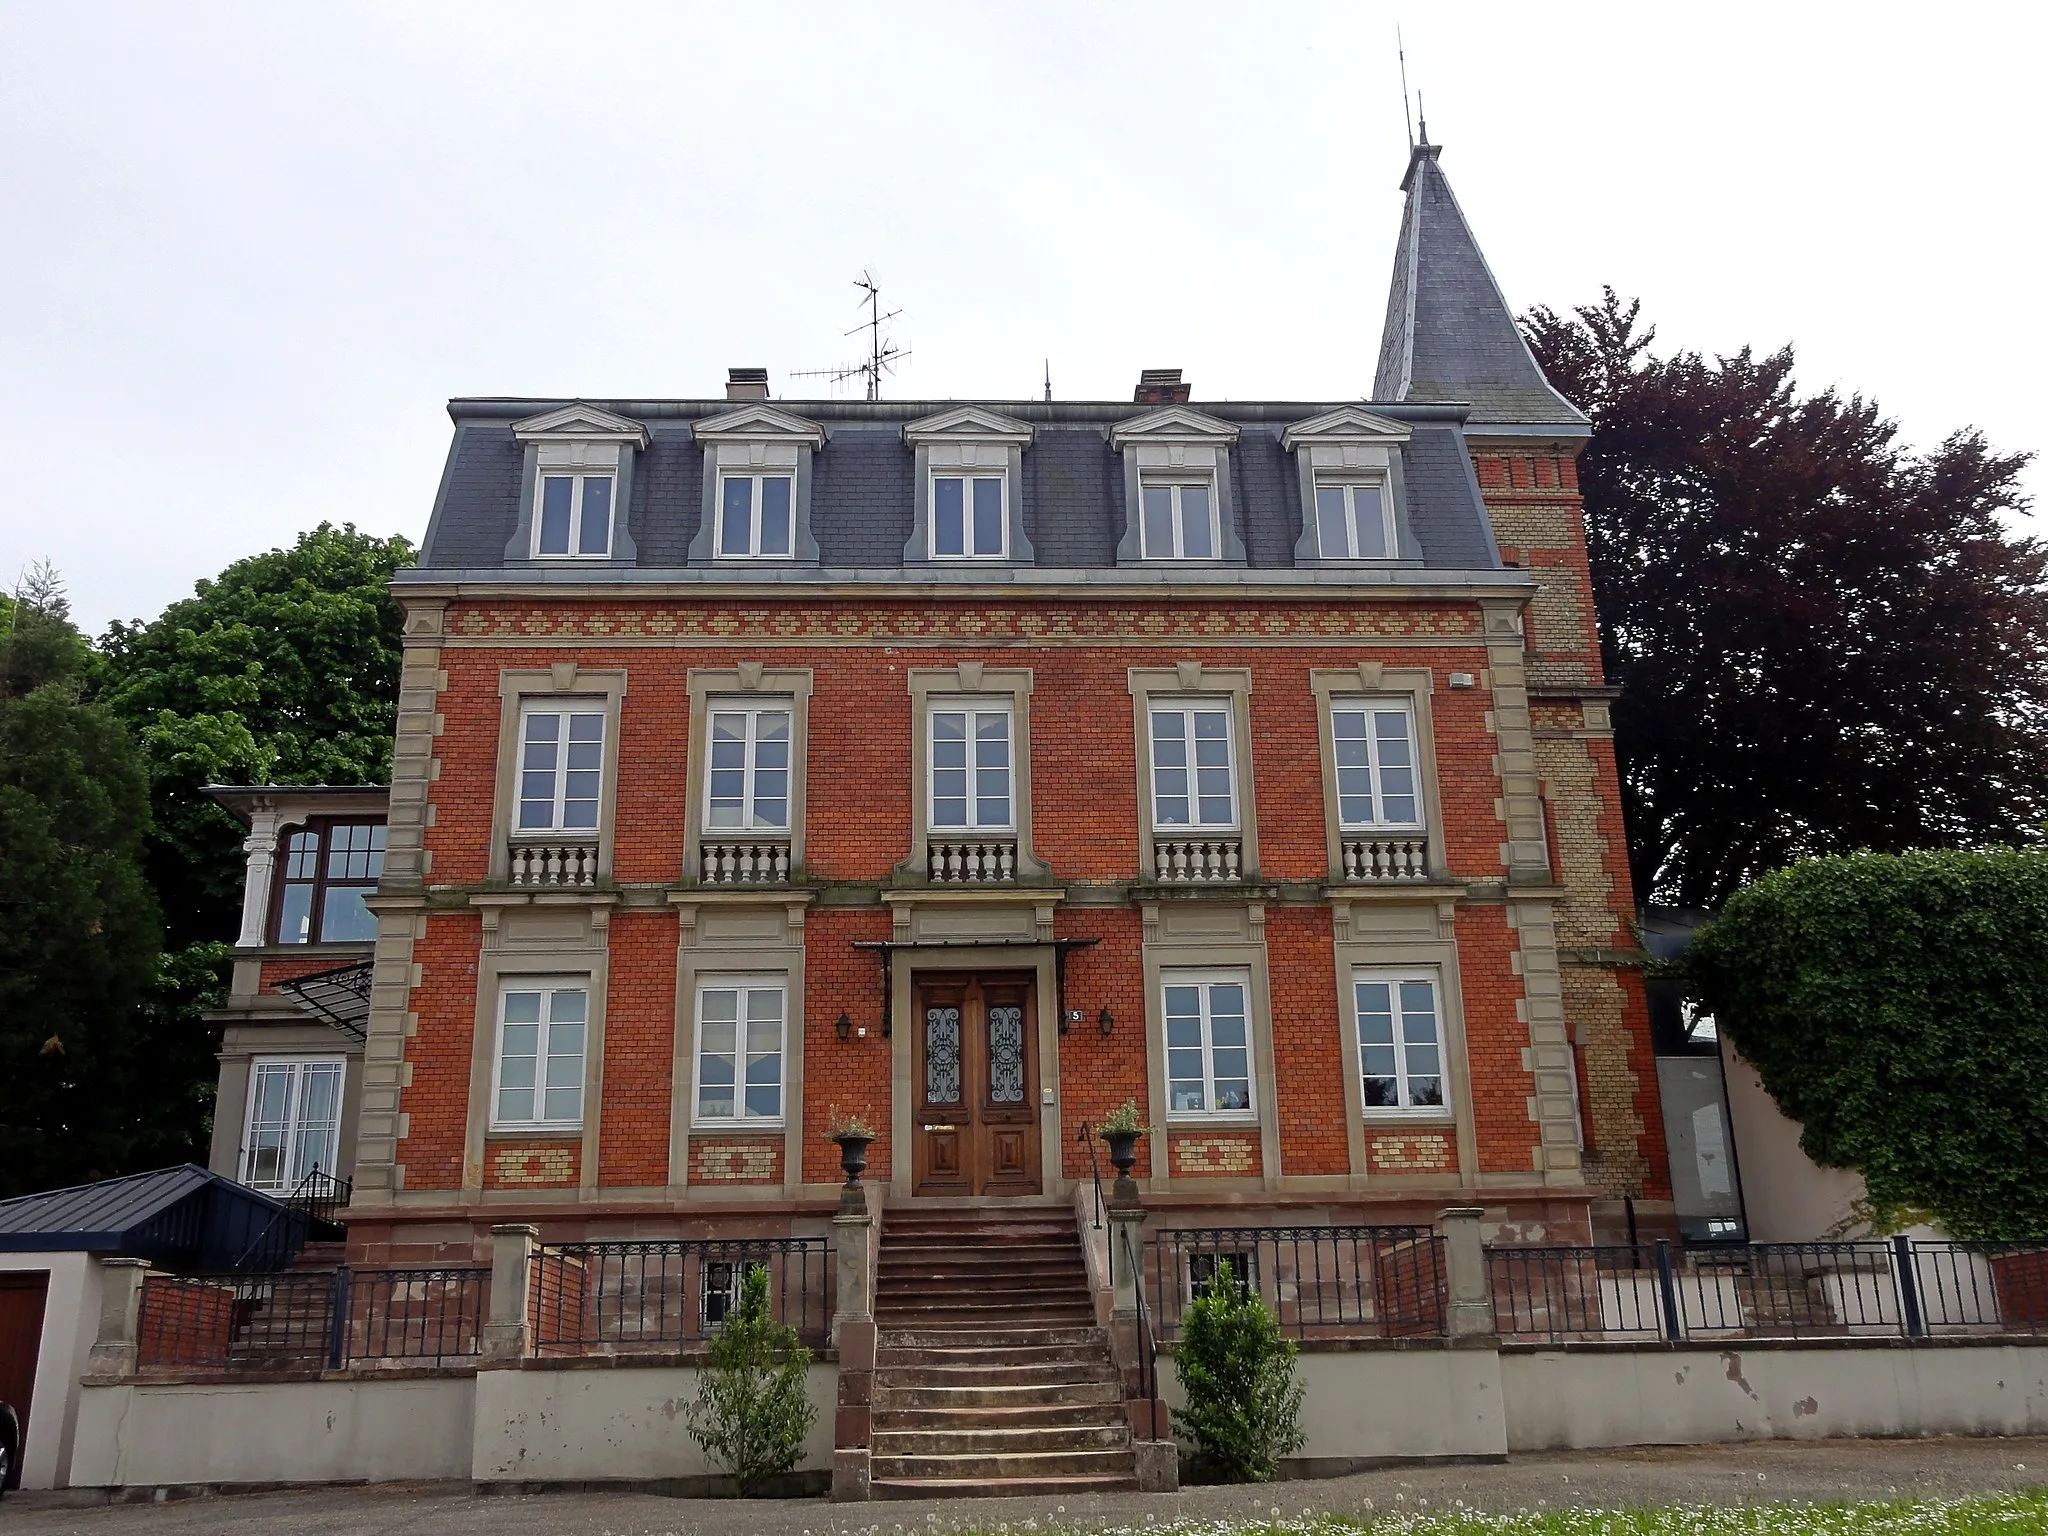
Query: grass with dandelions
[(2003, 1514)]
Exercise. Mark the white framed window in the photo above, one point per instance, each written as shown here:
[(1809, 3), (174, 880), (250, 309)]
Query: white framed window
[(740, 1039), (1194, 770), (1374, 742), (572, 516), (1205, 1269), (1400, 1040), (969, 520), (756, 516), (543, 1029), (1208, 1045), (561, 768), (972, 782), (1354, 520), (294, 1122), (1179, 521), (746, 785)]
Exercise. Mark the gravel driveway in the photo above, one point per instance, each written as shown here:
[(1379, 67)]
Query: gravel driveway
[(1812, 1471)]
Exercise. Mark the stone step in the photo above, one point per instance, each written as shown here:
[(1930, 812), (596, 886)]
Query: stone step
[(1029, 1416), (926, 1374), (1037, 1440), (951, 1260), (1037, 1394), (1043, 1315), (1052, 1336), (980, 1238), (963, 1353), (994, 1291), (997, 1488), (1023, 1464)]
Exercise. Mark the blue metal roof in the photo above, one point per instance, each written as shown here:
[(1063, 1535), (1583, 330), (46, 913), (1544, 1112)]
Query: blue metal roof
[(181, 1217)]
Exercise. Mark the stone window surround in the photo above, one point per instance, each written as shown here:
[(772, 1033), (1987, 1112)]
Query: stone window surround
[(1349, 446), (752, 684), (580, 440), (968, 440), (965, 683), (566, 683), (697, 955), (246, 1042), (1177, 445), (1368, 935), (757, 439), (1369, 681), (497, 964), (1190, 682), (1239, 945)]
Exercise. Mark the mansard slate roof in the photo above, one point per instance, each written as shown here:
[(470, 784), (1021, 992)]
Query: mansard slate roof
[(1450, 334), (1071, 496)]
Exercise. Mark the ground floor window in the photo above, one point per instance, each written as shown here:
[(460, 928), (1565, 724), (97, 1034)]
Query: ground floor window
[(294, 1122), (1205, 1268), (1208, 1044), (542, 1031), (1400, 1040), (740, 1024)]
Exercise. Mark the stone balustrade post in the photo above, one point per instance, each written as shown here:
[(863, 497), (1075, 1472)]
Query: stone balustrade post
[(508, 1335), (1469, 1314), (113, 1350), (853, 1331)]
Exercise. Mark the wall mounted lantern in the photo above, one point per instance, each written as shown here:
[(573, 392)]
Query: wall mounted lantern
[(1106, 1021), (843, 1026)]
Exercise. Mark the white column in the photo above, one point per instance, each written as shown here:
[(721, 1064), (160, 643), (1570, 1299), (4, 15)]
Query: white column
[(261, 847)]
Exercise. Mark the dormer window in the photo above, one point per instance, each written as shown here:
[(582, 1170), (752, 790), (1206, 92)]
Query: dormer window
[(756, 519), (579, 474), (1354, 519), (967, 517), (575, 516), (1179, 518)]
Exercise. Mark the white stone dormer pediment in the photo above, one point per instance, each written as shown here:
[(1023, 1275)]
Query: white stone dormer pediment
[(967, 424), (1346, 424), (580, 423), (1172, 424), (759, 424)]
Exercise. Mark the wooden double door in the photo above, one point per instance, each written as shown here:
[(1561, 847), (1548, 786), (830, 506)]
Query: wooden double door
[(976, 1085)]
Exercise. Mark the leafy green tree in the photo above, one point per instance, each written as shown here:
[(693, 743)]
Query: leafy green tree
[(753, 1411), (1897, 1007), (1236, 1372), (283, 668), (79, 932), (1823, 641)]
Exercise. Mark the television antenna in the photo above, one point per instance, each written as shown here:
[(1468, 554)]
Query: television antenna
[(883, 354)]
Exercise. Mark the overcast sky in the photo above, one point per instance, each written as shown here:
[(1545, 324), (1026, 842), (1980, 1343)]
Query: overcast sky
[(247, 252)]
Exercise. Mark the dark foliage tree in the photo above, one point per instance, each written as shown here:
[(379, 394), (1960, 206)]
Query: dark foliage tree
[(1824, 642), (79, 933), (1897, 1007)]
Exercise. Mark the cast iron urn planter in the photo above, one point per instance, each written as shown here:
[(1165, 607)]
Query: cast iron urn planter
[(853, 1156), (1123, 1150)]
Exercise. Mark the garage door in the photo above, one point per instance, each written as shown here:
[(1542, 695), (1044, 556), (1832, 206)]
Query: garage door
[(21, 1337)]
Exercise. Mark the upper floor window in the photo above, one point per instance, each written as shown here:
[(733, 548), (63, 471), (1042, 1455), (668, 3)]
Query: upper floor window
[(1179, 520), (1208, 1044), (755, 519), (1354, 520), (1400, 1041), (329, 868), (1375, 746), (561, 769), (740, 1047), (1194, 777), (747, 785), (541, 1041), (574, 516), (971, 769), (967, 517)]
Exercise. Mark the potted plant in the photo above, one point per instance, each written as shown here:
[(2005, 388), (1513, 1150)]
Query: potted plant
[(1121, 1128), (854, 1136)]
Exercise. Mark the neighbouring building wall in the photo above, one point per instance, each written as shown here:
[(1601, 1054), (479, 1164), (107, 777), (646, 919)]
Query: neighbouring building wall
[(1787, 1196)]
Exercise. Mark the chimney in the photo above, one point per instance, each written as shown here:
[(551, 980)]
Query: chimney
[(746, 383), (1161, 386)]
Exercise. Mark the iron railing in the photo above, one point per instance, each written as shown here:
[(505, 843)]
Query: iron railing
[(1087, 1139), (1358, 1281), (311, 1320), (662, 1294), (1878, 1288), (1148, 1347), (315, 1201)]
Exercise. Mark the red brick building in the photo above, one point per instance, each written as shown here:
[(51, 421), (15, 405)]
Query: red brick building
[(974, 767)]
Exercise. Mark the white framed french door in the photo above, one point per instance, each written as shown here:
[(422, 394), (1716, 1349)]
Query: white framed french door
[(294, 1122)]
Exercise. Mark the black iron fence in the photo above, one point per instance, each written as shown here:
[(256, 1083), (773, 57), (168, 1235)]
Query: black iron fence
[(1386, 1282), (662, 1294), (311, 1320), (1880, 1288)]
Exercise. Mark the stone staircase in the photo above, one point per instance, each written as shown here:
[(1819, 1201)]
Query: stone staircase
[(991, 1376)]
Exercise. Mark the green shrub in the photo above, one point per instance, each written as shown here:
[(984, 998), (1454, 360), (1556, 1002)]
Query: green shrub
[(752, 1412), (1237, 1373)]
